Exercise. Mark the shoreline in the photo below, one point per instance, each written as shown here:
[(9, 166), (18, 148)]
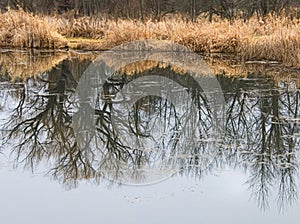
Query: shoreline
[(274, 39)]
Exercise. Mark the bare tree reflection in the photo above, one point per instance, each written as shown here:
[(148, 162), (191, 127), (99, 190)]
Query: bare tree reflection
[(262, 131), (266, 139)]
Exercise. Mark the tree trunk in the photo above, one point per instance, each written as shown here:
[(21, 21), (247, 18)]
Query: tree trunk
[(141, 10)]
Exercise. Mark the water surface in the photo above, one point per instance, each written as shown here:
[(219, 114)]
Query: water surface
[(160, 166)]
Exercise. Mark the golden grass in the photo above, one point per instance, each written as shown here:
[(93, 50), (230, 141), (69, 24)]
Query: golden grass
[(83, 27), (200, 36), (84, 44), (275, 38), (23, 30)]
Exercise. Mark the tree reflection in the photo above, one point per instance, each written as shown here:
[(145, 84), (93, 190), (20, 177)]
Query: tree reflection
[(262, 131), (259, 121)]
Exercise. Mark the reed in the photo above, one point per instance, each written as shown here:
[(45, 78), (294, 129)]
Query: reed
[(23, 30), (278, 39), (83, 27), (273, 39)]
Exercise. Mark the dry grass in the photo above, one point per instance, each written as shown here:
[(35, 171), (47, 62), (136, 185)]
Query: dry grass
[(23, 30), (85, 44), (200, 36), (275, 38), (83, 27)]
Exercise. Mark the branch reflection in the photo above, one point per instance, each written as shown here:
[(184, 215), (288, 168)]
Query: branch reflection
[(262, 134)]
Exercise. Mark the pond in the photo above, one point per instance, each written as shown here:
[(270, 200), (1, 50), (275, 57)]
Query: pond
[(147, 142)]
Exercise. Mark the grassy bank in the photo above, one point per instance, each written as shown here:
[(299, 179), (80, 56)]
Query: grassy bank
[(22, 30), (274, 39)]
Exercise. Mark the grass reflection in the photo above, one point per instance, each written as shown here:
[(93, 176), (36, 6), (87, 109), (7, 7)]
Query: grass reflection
[(261, 137)]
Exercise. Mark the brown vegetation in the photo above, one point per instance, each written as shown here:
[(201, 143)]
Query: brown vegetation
[(24, 30), (274, 38)]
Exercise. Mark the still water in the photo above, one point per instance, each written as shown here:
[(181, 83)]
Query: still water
[(67, 157)]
